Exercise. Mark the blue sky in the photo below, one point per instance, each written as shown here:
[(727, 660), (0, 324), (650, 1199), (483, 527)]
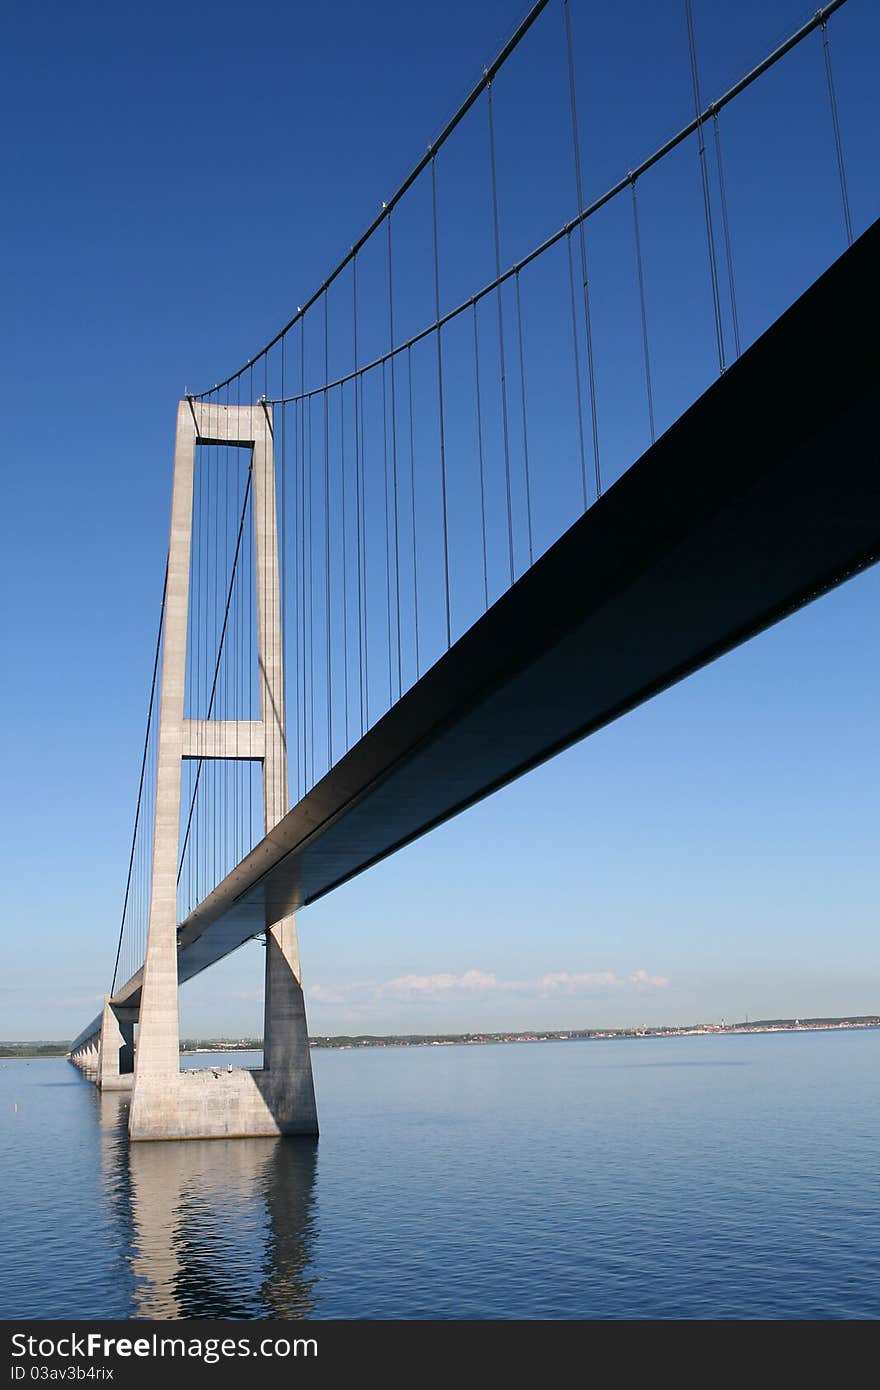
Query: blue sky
[(177, 183)]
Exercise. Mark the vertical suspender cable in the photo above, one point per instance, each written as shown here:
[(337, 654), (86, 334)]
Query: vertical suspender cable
[(308, 598), (832, 98), (227, 712), (357, 484), (240, 767), (210, 609), (704, 176), (215, 766), (412, 486), (234, 664), (442, 420), (297, 595), (208, 790), (499, 295), (522, 388), (480, 458), (577, 372), (305, 406), (344, 565), (282, 584), (310, 607), (725, 225), (387, 531), (366, 566), (196, 650), (223, 566), (394, 456), (579, 191), (195, 642), (271, 578), (327, 587), (251, 666), (644, 308)]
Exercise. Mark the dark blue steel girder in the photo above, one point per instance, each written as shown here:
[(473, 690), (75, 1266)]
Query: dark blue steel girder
[(762, 497)]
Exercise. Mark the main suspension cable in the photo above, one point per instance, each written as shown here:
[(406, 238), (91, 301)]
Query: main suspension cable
[(390, 203), (596, 205)]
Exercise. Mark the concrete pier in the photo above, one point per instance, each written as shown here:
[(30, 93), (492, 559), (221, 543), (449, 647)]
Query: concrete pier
[(116, 1061), (86, 1052), (167, 1103)]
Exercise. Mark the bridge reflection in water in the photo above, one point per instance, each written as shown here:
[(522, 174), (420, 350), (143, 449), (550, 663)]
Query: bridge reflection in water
[(218, 1228)]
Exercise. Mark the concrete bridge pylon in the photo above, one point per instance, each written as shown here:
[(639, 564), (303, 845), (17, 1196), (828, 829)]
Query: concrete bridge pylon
[(168, 1103)]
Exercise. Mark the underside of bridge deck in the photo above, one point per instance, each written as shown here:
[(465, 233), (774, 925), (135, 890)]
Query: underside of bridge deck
[(762, 497)]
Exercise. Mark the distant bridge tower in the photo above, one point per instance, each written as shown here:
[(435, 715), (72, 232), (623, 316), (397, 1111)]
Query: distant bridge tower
[(166, 1102)]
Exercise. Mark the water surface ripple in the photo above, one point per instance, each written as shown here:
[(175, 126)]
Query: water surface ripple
[(702, 1177)]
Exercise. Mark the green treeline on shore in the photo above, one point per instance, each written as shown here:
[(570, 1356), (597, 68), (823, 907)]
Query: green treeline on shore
[(34, 1049)]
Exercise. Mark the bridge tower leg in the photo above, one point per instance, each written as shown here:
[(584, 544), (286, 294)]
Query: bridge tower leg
[(166, 1102)]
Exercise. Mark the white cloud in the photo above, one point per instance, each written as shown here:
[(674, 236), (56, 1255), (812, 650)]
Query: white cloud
[(322, 995), (438, 986), (587, 982), (642, 980), (475, 983)]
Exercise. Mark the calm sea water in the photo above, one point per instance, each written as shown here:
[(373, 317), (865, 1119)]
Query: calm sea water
[(677, 1178)]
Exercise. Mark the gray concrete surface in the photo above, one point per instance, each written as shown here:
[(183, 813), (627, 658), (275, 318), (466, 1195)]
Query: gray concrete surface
[(167, 1103)]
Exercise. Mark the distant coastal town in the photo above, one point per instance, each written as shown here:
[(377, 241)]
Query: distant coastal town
[(770, 1025), (342, 1041)]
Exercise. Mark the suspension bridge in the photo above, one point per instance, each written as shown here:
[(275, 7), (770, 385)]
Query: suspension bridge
[(420, 544)]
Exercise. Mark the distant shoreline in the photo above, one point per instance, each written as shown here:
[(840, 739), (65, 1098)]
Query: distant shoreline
[(345, 1043), (36, 1051), (600, 1035)]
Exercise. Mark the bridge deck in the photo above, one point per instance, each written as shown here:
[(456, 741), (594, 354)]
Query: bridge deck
[(763, 496)]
